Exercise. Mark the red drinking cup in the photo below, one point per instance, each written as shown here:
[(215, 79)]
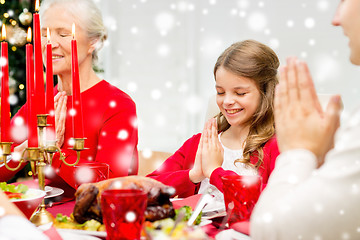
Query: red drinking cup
[(91, 172), (123, 213), (241, 193)]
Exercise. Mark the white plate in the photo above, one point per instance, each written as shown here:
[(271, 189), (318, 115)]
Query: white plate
[(82, 233), (175, 199), (32, 194), (205, 222), (214, 206), (231, 234), (48, 189), (54, 192)]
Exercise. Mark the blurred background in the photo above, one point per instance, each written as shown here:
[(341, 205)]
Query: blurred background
[(162, 53)]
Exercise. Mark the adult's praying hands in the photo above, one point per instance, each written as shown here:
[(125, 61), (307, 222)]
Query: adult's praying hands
[(299, 119)]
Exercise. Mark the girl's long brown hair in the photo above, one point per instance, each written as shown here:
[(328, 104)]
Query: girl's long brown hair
[(254, 60)]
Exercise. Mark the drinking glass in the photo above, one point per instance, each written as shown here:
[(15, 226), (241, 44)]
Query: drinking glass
[(241, 193), (123, 213), (91, 172)]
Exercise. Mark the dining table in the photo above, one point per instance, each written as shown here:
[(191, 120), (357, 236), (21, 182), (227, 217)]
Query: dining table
[(215, 229)]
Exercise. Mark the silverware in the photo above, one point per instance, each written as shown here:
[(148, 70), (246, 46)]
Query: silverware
[(226, 218), (178, 219), (205, 199)]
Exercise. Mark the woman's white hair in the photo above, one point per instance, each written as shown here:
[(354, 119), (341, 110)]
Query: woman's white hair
[(89, 17)]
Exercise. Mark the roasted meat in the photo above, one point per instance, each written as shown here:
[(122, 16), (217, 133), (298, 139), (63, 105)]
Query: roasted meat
[(88, 196)]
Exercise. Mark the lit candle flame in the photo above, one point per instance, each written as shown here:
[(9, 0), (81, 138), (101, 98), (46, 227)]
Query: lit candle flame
[(37, 5), (28, 38), (3, 32), (73, 30), (48, 35)]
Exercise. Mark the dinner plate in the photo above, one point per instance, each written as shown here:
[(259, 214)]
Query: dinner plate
[(175, 199), (54, 192), (48, 189), (82, 234), (231, 234), (214, 206), (205, 222)]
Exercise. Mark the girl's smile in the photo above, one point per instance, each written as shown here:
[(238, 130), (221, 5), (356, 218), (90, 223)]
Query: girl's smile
[(237, 97), (233, 111)]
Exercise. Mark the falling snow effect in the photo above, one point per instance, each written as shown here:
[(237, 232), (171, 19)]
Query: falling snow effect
[(243, 4), (194, 104), (84, 174), (162, 54), (164, 59), (257, 21), (112, 104), (164, 22), (156, 94), (163, 50), (16, 156), (130, 216), (3, 62), (132, 87), (147, 153), (309, 23), (323, 5), (72, 112), (13, 100), (123, 135), (274, 43), (19, 121), (19, 132), (326, 67), (110, 22)]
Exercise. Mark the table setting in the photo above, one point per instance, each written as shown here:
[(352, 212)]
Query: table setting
[(124, 210)]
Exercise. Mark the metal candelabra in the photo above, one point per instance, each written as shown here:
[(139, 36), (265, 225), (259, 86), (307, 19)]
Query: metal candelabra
[(39, 157)]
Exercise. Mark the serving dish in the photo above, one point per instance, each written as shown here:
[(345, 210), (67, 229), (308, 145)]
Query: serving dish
[(31, 200)]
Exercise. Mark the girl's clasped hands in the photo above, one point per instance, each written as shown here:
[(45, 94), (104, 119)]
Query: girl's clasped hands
[(209, 155)]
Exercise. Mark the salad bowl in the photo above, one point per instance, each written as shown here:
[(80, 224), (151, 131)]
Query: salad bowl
[(30, 201)]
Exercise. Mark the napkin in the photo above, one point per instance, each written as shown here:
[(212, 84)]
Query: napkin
[(231, 234), (189, 201), (52, 233), (243, 227)]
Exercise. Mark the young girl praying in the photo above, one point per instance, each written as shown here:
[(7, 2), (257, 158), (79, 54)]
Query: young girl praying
[(241, 139)]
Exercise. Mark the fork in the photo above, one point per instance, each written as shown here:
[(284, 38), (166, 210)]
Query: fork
[(179, 218), (205, 199)]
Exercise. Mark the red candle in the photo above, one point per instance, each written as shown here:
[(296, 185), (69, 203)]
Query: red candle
[(5, 106), (39, 74), (49, 104), (77, 115), (32, 121)]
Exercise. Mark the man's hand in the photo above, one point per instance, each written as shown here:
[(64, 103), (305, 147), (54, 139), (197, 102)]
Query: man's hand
[(299, 119)]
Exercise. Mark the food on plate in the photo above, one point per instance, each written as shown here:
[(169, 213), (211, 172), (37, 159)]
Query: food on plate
[(88, 196), (187, 214), (63, 221), (164, 229), (161, 229), (14, 192)]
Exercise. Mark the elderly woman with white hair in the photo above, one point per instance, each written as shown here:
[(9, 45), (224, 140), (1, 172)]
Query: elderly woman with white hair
[(109, 114)]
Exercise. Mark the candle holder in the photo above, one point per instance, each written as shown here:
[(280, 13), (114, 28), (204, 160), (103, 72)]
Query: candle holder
[(39, 157)]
